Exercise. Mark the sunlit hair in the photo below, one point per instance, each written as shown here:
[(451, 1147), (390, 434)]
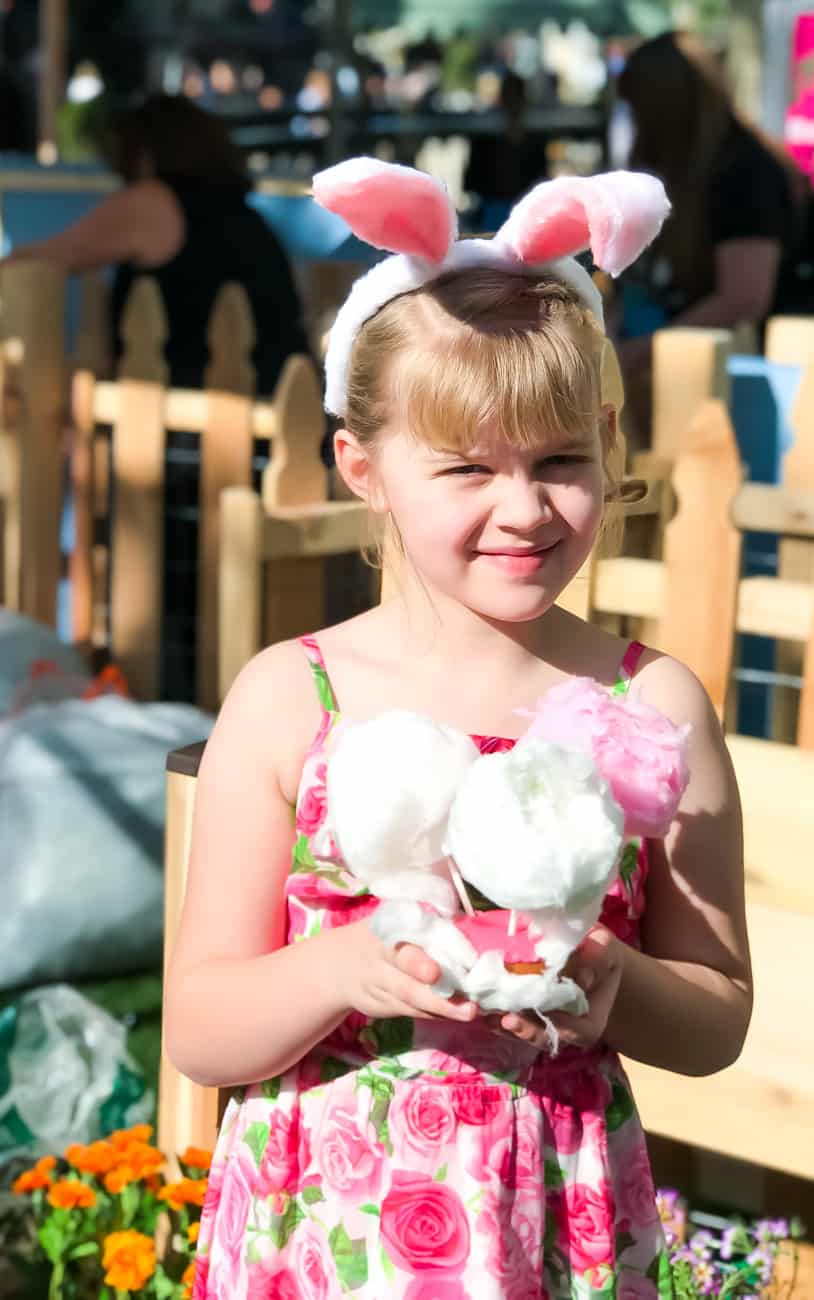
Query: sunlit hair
[(480, 348)]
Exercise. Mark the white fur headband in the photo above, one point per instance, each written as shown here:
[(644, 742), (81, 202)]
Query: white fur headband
[(410, 214)]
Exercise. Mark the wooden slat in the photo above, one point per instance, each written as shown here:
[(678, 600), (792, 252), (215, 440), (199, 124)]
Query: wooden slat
[(137, 532), (766, 606), (764, 508), (332, 528), (10, 476), (184, 409), (790, 340), (776, 784), (689, 367), (226, 461), (760, 1108), (82, 486), (702, 553), (240, 588), (187, 1113), (32, 301), (795, 559), (294, 595)]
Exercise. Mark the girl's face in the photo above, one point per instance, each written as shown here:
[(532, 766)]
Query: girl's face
[(500, 530)]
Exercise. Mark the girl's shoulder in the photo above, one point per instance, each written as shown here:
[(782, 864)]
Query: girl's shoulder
[(272, 712)]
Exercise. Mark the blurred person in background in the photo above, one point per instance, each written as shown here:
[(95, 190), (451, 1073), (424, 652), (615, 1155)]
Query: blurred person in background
[(503, 166), (739, 209), (181, 217)]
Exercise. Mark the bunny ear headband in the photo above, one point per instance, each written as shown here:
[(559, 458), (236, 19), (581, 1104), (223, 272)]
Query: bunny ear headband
[(410, 214)]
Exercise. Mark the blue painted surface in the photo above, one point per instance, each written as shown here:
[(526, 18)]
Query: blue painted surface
[(762, 396)]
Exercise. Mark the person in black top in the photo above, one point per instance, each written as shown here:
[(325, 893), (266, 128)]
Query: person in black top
[(738, 206), (182, 218), (503, 167)]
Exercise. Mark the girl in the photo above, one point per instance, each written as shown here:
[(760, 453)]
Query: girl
[(391, 1142)]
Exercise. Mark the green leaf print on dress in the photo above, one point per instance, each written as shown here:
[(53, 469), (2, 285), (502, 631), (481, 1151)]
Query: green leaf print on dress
[(621, 1107), (256, 1138), (350, 1257)]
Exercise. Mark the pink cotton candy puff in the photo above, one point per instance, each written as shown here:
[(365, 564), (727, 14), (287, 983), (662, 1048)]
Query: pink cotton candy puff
[(639, 751)]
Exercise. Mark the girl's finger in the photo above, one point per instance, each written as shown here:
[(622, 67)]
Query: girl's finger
[(415, 963), (433, 1004)]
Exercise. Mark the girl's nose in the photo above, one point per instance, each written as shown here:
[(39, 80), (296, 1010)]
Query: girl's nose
[(523, 504)]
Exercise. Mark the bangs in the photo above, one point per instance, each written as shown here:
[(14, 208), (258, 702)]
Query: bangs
[(536, 385)]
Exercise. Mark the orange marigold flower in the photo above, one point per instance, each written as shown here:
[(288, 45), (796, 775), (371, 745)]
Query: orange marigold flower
[(70, 1194), (31, 1180), (188, 1280), (98, 1158), (124, 1136), (152, 1182), (45, 1164), (128, 1259), (74, 1153), (141, 1158), (193, 1231), (118, 1179), (196, 1158), (189, 1191)]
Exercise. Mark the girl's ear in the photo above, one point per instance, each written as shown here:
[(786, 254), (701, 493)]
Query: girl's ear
[(358, 471)]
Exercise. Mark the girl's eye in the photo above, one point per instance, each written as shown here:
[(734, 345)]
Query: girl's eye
[(564, 459), (468, 469)]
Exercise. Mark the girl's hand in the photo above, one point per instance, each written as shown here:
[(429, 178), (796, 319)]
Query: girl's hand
[(597, 967), (382, 981)]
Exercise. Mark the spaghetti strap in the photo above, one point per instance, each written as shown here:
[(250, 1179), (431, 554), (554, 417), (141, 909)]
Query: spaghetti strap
[(627, 668), (322, 681)]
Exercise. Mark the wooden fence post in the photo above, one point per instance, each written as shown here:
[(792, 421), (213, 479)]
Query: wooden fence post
[(702, 551), (295, 588), (226, 461), (137, 526), (33, 295), (689, 365)]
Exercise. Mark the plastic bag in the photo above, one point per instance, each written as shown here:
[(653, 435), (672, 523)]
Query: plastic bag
[(22, 643), (82, 813), (65, 1074)]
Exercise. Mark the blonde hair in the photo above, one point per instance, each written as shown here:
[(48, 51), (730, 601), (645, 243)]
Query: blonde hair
[(476, 347)]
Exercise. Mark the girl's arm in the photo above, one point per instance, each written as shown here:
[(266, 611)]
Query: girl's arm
[(142, 223), (240, 1006), (745, 280), (685, 1000)]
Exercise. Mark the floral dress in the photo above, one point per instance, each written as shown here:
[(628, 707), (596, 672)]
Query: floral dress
[(426, 1160)]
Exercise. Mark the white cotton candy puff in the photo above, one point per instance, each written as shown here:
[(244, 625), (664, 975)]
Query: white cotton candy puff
[(537, 829), (390, 784)]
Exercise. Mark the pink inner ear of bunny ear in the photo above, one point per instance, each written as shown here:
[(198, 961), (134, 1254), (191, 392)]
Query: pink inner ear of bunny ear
[(616, 215), (395, 208)]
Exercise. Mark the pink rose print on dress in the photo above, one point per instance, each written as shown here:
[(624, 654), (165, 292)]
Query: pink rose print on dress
[(314, 1267), (476, 1103), (265, 1285), (311, 807), (424, 1225), (421, 1120), (350, 1160), (200, 1289), (510, 1150), (585, 1227), (227, 1265), (635, 1194), (576, 1113), (515, 1237), (436, 1288), (280, 1164), (615, 915)]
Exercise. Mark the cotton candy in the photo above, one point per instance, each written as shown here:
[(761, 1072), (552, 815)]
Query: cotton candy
[(639, 751), (537, 828), (390, 784)]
